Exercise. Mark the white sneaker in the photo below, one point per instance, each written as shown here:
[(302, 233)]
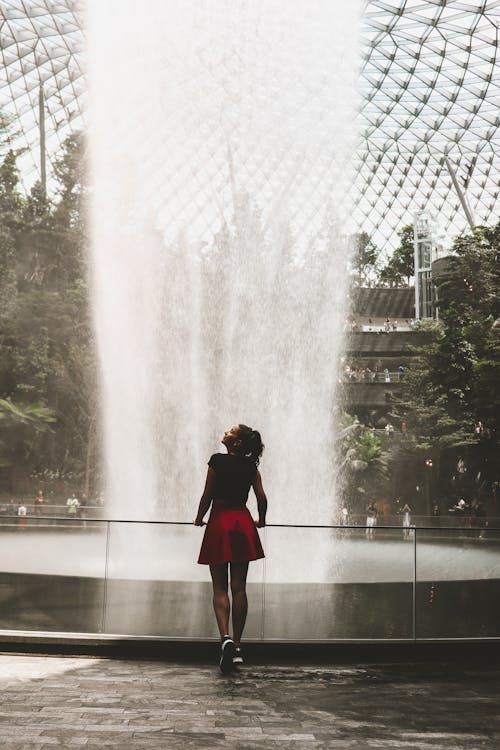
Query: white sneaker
[(238, 657), (227, 652)]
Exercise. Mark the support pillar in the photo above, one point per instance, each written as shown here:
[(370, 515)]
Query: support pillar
[(41, 125)]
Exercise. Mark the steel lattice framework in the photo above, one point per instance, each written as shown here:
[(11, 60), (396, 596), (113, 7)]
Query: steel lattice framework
[(42, 43), (430, 103), (430, 90)]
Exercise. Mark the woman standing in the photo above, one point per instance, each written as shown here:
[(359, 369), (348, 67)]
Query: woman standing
[(231, 539)]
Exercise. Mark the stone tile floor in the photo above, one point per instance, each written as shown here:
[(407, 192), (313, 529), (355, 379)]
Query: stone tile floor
[(134, 704)]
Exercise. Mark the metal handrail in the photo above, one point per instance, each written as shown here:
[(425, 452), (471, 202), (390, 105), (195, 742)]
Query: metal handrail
[(268, 525)]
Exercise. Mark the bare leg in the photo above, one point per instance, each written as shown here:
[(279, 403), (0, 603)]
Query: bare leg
[(240, 604), (221, 598)]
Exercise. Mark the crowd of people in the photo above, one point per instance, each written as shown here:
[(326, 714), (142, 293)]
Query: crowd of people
[(354, 374), (73, 507), (382, 326), (471, 515)]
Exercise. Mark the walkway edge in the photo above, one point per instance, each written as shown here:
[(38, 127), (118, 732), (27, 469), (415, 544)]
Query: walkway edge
[(275, 652)]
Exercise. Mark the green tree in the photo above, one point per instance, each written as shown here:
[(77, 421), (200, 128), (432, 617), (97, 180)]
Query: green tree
[(70, 171), (10, 199), (401, 265), (364, 254), (431, 399), (450, 397), (20, 428), (37, 206), (8, 281), (470, 311), (47, 363)]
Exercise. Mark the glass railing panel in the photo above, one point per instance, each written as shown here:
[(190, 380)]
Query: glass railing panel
[(156, 588), (458, 582), (52, 574), (343, 583), (316, 584)]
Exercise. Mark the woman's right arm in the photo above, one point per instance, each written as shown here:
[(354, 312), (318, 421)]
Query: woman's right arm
[(261, 499), (206, 498)]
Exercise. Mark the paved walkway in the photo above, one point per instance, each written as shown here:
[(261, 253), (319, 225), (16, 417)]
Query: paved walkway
[(94, 703)]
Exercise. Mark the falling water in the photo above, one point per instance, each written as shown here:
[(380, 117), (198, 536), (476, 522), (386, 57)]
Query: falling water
[(221, 134)]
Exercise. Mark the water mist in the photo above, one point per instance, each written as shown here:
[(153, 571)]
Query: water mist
[(221, 135)]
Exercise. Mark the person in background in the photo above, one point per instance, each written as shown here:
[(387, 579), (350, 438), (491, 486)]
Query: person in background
[(371, 518), (39, 502), (406, 512), (72, 505), (481, 522), (22, 516)]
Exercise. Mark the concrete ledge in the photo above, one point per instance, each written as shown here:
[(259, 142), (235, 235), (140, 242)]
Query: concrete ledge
[(269, 652)]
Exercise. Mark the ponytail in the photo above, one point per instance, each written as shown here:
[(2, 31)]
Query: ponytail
[(251, 443)]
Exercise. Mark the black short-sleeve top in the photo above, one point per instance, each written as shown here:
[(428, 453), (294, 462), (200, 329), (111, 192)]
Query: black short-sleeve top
[(234, 476)]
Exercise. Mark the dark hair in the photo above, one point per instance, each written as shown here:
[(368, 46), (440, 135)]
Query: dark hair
[(251, 443)]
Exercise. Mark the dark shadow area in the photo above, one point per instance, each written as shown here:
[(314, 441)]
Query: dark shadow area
[(291, 612)]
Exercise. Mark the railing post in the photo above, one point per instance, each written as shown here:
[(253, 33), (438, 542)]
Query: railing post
[(263, 603), (105, 583), (414, 603)]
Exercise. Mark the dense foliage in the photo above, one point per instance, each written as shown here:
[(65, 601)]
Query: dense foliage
[(450, 396), (448, 400), (364, 260), (455, 377), (363, 461), (400, 267), (47, 367), (368, 267)]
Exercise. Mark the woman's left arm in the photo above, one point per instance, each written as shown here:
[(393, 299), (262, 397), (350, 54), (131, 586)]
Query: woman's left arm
[(206, 498), (261, 500)]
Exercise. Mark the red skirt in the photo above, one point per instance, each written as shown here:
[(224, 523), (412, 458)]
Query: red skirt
[(230, 536)]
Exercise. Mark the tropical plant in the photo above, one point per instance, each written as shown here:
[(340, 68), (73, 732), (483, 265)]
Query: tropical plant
[(362, 458)]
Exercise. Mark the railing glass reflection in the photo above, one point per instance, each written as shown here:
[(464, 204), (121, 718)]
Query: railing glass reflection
[(52, 574), (155, 587), (315, 584), (458, 582), (338, 583)]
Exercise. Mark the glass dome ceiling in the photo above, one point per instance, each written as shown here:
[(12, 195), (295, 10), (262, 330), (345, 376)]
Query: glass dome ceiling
[(430, 103), (430, 89), (41, 42)]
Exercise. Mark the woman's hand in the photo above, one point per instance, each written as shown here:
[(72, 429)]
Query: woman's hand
[(206, 498), (260, 524)]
